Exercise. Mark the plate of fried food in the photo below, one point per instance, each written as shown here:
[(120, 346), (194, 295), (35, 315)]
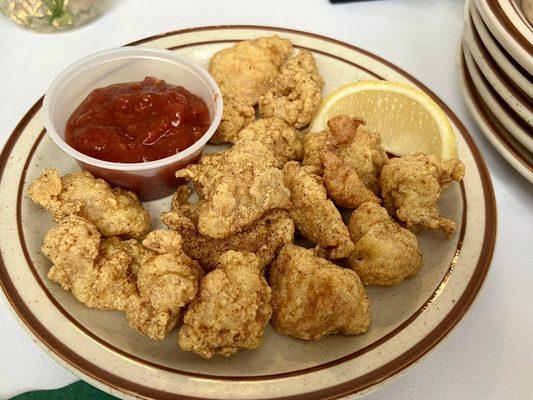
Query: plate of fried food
[(306, 220)]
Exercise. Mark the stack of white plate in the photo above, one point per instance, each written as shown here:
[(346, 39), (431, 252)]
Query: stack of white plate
[(496, 71)]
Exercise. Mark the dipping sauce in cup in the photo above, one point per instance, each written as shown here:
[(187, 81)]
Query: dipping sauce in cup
[(137, 121), (128, 128)]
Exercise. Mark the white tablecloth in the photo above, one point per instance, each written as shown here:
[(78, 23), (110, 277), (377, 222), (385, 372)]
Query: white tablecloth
[(490, 354)]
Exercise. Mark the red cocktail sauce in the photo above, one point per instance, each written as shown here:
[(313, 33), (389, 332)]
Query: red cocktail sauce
[(137, 121)]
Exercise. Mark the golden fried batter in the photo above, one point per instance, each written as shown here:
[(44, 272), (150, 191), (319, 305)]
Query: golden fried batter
[(167, 280), (231, 310), (313, 298), (150, 282), (263, 238), (352, 160), (314, 143), (243, 73), (235, 117), (295, 92), (238, 187), (411, 187), (385, 253), (283, 140), (96, 272), (315, 216), (115, 212)]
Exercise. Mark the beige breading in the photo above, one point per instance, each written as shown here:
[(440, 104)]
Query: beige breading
[(313, 298), (352, 160), (314, 143), (283, 140), (314, 215), (231, 310), (115, 212), (411, 187), (238, 186), (167, 281), (244, 72), (385, 253), (95, 271), (235, 117), (150, 282), (295, 93), (263, 238)]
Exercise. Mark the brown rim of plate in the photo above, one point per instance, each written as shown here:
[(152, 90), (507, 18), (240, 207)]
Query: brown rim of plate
[(520, 14), (522, 97), (507, 108), (508, 25), (509, 58), (499, 132), (353, 386)]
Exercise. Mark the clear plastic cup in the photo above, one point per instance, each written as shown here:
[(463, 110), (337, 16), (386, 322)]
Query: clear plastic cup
[(149, 180)]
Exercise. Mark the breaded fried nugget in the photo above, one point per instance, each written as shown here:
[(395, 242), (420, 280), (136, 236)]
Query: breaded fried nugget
[(150, 282), (264, 237), (282, 139), (385, 253), (314, 143), (313, 298), (97, 272), (411, 187), (352, 160), (231, 310), (238, 186), (315, 216), (115, 212), (235, 117), (167, 281), (244, 72), (295, 92)]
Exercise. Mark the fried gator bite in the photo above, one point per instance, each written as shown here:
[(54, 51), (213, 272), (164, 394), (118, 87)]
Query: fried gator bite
[(97, 272), (244, 72), (231, 310), (283, 140), (411, 187), (352, 160), (385, 253), (313, 298), (115, 212), (150, 282), (315, 216), (295, 92), (264, 237), (237, 187), (314, 143), (167, 281)]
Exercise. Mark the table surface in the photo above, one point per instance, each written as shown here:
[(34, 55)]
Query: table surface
[(489, 355)]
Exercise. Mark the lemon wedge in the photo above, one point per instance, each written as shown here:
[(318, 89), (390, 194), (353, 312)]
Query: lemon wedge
[(406, 118)]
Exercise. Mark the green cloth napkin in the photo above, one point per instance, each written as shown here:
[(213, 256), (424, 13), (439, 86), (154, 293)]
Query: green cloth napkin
[(78, 390)]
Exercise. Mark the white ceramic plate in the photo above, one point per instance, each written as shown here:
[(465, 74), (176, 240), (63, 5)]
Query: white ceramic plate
[(519, 102), (505, 114), (476, 92), (514, 71), (407, 320), (510, 28)]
